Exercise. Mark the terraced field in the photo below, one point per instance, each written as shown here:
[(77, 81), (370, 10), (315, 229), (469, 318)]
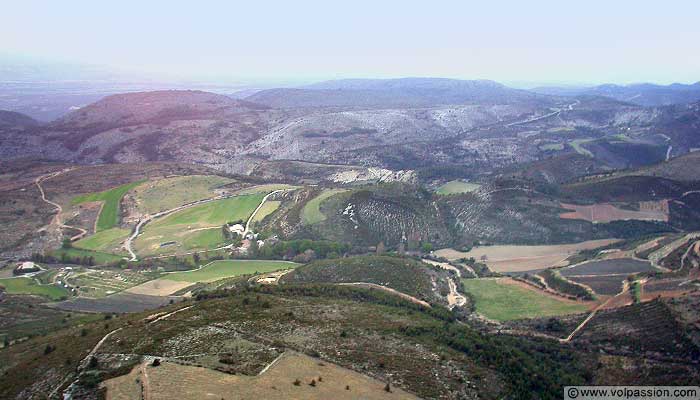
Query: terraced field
[(23, 285), (109, 216), (168, 193), (606, 285), (502, 300), (101, 283), (228, 268), (646, 327), (197, 227), (621, 266), (456, 187), (606, 277)]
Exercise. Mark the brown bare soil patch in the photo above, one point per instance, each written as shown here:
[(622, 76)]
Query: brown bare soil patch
[(604, 212), (174, 381), (511, 258), (159, 287)]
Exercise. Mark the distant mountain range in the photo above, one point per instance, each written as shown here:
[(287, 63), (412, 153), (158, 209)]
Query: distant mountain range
[(643, 94), (384, 93)]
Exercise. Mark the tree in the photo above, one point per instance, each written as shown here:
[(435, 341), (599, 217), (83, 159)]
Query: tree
[(427, 247), (381, 249), (66, 244)]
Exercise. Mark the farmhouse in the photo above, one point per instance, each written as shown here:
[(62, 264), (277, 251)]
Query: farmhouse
[(26, 268), (237, 229)]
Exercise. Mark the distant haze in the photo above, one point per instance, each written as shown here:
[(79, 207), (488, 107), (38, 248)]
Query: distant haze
[(302, 41)]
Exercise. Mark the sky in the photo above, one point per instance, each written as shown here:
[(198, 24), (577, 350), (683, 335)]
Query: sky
[(562, 42)]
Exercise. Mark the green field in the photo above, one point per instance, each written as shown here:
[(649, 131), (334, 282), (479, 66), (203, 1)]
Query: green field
[(228, 268), (106, 241), (455, 187), (109, 216), (503, 302), (187, 227), (267, 188), (311, 213), (98, 256), (268, 208), (30, 286), (168, 193)]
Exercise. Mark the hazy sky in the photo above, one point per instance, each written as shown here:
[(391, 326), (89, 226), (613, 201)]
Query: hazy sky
[(525, 40)]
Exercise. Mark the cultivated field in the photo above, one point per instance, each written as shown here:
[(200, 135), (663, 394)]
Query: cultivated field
[(174, 381), (311, 213), (108, 241), (455, 187), (159, 287), (650, 211), (227, 268), (619, 266), (101, 283), (109, 216), (168, 193), (267, 208), (267, 188), (606, 285), (197, 227), (23, 285), (97, 256), (511, 258), (504, 299)]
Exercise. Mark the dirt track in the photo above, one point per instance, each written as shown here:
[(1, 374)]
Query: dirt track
[(57, 218)]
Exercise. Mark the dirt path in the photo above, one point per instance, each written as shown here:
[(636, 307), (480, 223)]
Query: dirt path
[(250, 219), (454, 298), (624, 292), (56, 220), (83, 363), (389, 290)]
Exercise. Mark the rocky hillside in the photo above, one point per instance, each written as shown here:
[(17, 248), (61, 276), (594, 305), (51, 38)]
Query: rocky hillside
[(458, 128)]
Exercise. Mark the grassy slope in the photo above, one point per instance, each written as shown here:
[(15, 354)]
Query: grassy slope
[(180, 226), (455, 187), (268, 208), (106, 241), (169, 193), (29, 286), (99, 257), (228, 268), (311, 213), (109, 217), (504, 302)]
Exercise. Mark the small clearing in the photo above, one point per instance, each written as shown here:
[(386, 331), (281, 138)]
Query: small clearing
[(456, 187)]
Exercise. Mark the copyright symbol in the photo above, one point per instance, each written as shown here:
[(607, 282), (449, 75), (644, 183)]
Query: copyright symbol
[(573, 393)]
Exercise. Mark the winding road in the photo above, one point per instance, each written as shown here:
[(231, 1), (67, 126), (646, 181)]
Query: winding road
[(57, 218)]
